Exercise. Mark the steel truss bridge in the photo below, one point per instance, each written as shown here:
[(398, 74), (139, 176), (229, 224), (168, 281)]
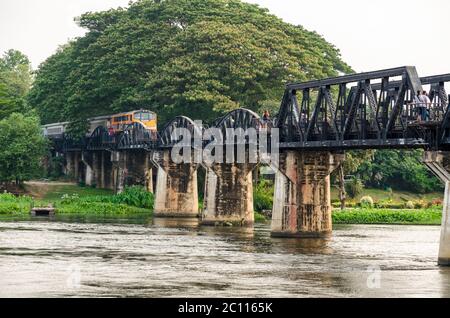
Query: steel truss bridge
[(358, 111)]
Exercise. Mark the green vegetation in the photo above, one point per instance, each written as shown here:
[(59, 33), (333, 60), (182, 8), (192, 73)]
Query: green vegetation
[(12, 205), (354, 188), (384, 216), (56, 192), (81, 201), (15, 83), (179, 57), (22, 148), (259, 218), (401, 170), (391, 199), (263, 196)]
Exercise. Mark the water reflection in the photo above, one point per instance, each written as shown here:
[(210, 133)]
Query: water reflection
[(189, 223), (141, 257)]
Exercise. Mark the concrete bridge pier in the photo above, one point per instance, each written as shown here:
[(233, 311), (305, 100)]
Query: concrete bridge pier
[(229, 194), (119, 163), (102, 170), (89, 174), (176, 187), (72, 166), (132, 168), (439, 163), (302, 202)]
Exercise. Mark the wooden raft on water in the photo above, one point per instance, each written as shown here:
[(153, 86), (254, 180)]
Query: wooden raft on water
[(43, 211)]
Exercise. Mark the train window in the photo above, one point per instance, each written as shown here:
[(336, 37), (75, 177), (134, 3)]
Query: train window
[(144, 116)]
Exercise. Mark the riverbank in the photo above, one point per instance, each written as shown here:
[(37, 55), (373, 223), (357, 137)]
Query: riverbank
[(71, 199), (431, 216)]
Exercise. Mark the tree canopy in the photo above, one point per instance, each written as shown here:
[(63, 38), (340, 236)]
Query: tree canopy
[(22, 147), (15, 82), (199, 58)]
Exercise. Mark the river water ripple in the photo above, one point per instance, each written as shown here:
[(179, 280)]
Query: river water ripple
[(175, 258)]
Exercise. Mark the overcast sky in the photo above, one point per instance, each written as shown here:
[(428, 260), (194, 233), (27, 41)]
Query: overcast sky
[(370, 34)]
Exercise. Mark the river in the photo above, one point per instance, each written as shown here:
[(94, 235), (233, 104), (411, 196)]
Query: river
[(175, 258)]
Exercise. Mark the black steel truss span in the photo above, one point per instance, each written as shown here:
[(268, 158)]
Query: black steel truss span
[(358, 111), (101, 140), (367, 110)]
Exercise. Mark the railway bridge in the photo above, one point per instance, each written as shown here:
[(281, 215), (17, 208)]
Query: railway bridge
[(317, 122)]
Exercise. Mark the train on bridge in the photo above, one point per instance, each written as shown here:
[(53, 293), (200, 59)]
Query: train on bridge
[(115, 124)]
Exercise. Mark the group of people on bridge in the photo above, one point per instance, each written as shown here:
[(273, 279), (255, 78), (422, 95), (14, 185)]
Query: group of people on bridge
[(423, 106)]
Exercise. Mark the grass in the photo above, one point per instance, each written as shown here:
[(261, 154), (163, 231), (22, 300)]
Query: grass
[(430, 216), (259, 218), (11, 205), (75, 200), (99, 209), (57, 192)]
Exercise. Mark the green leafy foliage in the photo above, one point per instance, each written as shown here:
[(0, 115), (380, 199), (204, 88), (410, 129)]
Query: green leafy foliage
[(354, 188), (12, 205), (366, 202), (15, 83), (135, 196), (175, 57), (384, 216), (22, 148), (399, 169), (263, 196)]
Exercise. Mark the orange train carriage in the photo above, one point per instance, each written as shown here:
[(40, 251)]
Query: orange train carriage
[(116, 123)]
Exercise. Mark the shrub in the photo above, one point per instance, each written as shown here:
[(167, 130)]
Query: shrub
[(354, 188), (263, 196), (381, 216), (366, 202), (136, 196), (420, 204), (437, 202), (409, 205), (10, 204)]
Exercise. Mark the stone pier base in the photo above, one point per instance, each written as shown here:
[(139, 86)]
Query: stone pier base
[(176, 188), (229, 194), (132, 168), (302, 202), (439, 164)]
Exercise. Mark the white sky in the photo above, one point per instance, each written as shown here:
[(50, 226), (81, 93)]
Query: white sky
[(371, 34)]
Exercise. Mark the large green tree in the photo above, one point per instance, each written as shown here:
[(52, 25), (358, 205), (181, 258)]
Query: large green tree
[(15, 82), (398, 169), (199, 58), (22, 148)]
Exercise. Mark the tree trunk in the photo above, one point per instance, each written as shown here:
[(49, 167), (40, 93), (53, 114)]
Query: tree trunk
[(342, 193)]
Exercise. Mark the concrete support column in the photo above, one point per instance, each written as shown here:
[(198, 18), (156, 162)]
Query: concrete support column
[(302, 202), (87, 159), (72, 167), (108, 171), (76, 165), (149, 173), (176, 187), (101, 183), (229, 194), (119, 162), (96, 169), (439, 164)]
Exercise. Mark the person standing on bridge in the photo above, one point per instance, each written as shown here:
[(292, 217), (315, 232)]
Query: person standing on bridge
[(427, 101), (421, 103), (266, 119)]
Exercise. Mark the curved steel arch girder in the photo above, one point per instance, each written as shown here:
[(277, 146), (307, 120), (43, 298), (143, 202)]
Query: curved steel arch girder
[(167, 136), (136, 136)]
